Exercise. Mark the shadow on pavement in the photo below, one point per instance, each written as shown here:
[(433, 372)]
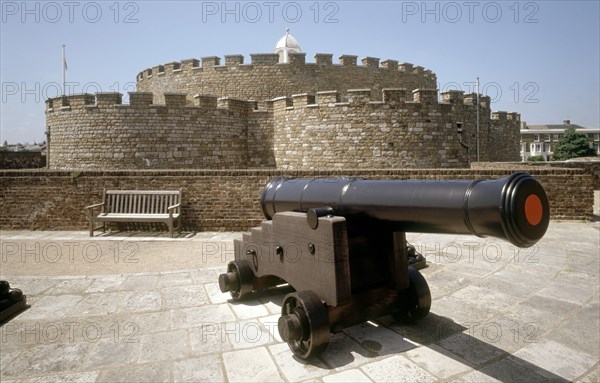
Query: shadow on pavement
[(439, 333)]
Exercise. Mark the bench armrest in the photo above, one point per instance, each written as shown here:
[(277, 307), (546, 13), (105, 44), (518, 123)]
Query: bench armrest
[(95, 205), (172, 209), (90, 209)]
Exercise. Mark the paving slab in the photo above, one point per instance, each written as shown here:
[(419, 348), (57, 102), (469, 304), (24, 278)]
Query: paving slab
[(150, 372), (209, 339), (167, 345), (344, 353), (188, 371), (353, 375), (435, 360), (295, 369), (397, 369), (150, 309), (255, 365), (554, 359), (201, 315)]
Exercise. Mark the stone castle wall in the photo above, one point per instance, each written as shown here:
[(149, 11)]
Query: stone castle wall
[(272, 115), (498, 131), (407, 129), (100, 132), (264, 78), (504, 137)]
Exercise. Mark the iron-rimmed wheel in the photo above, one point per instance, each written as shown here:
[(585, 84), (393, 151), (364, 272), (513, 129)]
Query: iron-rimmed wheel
[(238, 280), (304, 324), (414, 302)]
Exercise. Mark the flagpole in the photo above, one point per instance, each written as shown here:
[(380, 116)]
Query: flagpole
[(478, 119), (63, 70)]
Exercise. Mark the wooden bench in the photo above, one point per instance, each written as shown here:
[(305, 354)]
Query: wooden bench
[(137, 206)]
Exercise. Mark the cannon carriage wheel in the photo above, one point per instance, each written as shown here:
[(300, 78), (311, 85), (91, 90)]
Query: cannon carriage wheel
[(304, 323), (238, 280), (415, 302)]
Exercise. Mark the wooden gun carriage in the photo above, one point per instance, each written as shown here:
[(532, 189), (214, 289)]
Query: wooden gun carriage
[(341, 244)]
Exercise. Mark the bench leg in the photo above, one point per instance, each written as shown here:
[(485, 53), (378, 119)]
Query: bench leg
[(170, 228), (91, 227)]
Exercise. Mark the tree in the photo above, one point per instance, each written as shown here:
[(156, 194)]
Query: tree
[(536, 158), (572, 145)]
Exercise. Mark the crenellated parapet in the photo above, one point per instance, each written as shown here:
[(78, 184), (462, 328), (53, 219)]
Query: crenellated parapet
[(506, 116), (261, 59), (459, 98), (263, 77), (388, 97), (145, 100)]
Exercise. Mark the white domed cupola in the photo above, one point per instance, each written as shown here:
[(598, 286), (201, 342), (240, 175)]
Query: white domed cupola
[(286, 45)]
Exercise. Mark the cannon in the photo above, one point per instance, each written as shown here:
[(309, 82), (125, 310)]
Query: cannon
[(341, 244), (12, 302)]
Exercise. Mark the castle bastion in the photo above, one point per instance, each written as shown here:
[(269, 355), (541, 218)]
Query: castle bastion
[(278, 111)]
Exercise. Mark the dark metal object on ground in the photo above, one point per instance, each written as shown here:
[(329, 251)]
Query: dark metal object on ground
[(12, 302), (341, 244)]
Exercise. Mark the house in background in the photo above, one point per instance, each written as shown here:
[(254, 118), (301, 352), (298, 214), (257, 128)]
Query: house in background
[(540, 140)]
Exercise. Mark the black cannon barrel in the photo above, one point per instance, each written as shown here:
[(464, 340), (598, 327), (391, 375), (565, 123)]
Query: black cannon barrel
[(514, 208)]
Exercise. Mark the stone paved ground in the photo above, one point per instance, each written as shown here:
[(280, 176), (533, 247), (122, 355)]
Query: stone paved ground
[(498, 314)]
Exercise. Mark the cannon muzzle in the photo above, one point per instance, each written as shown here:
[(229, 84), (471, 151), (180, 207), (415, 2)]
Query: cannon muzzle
[(514, 208)]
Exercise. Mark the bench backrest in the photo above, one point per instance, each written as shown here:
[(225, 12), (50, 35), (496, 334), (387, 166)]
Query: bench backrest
[(140, 201)]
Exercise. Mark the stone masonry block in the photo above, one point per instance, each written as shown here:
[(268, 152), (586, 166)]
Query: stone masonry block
[(108, 98), (323, 59), (210, 61), (175, 100), (234, 59), (371, 62), (140, 99), (348, 60)]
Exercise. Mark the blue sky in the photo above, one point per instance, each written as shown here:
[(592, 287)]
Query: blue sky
[(538, 58)]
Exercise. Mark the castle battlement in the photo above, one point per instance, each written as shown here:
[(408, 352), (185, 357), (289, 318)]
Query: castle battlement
[(513, 116), (458, 97), (499, 115), (145, 100), (277, 110), (506, 116), (471, 99), (236, 62), (266, 76), (389, 96)]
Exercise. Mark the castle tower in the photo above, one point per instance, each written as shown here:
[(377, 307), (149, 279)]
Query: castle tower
[(286, 45)]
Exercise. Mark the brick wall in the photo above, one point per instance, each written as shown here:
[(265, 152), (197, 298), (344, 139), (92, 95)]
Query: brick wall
[(227, 199), (590, 167)]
